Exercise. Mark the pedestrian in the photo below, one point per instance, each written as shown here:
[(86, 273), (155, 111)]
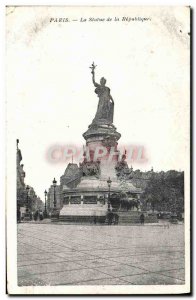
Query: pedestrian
[(41, 215), (18, 215), (36, 216), (115, 218), (110, 218), (142, 219)]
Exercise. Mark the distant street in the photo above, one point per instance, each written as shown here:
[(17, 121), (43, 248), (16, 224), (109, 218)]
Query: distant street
[(50, 254)]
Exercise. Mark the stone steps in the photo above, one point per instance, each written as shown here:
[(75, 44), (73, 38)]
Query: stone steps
[(81, 219), (123, 219), (135, 218)]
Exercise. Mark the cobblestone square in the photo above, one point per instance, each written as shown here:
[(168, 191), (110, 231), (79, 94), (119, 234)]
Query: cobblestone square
[(50, 254)]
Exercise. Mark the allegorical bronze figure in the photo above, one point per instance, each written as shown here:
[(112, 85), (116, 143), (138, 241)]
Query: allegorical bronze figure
[(105, 109)]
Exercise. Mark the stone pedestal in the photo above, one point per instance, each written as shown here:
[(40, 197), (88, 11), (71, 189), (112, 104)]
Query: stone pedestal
[(101, 144)]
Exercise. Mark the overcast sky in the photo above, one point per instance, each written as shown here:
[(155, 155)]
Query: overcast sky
[(50, 95)]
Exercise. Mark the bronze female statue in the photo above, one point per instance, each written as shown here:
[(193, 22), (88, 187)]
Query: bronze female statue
[(105, 109)]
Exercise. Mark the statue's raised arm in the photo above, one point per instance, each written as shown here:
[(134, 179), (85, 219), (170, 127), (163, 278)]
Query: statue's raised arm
[(92, 67)]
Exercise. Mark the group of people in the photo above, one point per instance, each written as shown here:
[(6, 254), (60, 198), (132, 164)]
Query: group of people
[(112, 218), (36, 216)]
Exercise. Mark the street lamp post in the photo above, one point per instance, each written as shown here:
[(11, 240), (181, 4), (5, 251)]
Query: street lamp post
[(109, 181), (55, 213), (54, 185), (45, 211)]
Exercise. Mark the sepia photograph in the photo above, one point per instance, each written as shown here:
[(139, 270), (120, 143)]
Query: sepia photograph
[(98, 150)]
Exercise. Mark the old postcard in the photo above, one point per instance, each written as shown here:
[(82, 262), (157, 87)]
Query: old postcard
[(98, 149)]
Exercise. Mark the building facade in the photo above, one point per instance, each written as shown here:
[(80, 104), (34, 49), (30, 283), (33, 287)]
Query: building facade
[(27, 200)]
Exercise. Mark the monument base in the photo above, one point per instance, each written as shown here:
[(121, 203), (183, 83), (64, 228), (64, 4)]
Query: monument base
[(97, 213), (86, 213)]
